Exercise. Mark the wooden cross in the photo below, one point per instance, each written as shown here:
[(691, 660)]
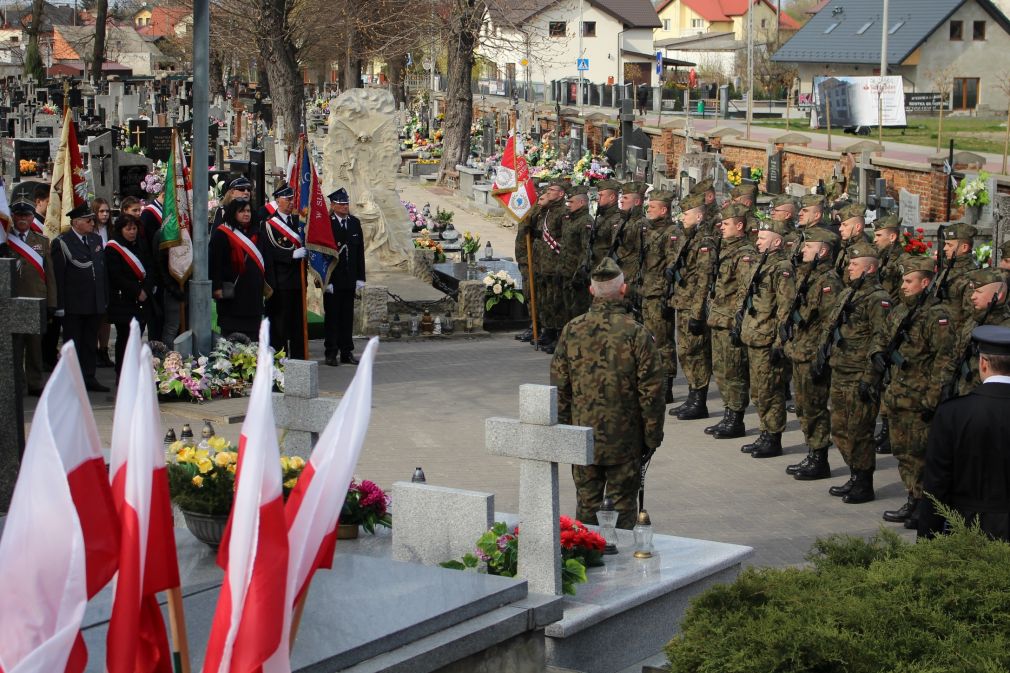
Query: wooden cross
[(137, 132)]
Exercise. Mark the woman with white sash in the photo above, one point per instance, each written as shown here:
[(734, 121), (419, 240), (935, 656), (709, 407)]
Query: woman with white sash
[(128, 267), (239, 271)]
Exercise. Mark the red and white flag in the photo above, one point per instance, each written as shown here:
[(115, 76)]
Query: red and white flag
[(137, 641), (512, 184), (60, 543), (247, 634), (6, 219)]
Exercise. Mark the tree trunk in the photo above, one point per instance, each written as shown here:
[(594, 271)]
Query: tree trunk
[(351, 78), (33, 59), (284, 77), (396, 70), (98, 55), (463, 32), (217, 87)]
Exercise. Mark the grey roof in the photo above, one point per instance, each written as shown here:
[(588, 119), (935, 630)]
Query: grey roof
[(845, 44), (633, 13)]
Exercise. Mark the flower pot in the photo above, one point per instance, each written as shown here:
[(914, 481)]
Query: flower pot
[(972, 213), (347, 531), (207, 528), (471, 260)]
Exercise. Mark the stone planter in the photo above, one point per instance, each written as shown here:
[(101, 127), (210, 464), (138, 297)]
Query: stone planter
[(347, 531), (207, 528)]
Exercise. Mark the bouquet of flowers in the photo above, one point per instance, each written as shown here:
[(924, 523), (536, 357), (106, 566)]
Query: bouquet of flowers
[(499, 285), (973, 192), (590, 169), (915, 243), (983, 254), (578, 542), (154, 182), (756, 174), (227, 372), (425, 242), (27, 167), (367, 506), (471, 243), (48, 109), (417, 220)]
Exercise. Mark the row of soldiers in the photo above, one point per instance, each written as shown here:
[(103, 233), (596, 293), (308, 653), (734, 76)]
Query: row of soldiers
[(799, 298)]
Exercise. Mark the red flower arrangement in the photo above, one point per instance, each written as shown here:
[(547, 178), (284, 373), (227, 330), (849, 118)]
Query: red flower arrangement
[(916, 244), (577, 541)]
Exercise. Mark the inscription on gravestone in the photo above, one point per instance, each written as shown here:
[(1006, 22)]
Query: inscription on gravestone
[(773, 177), (130, 178), (908, 208), (159, 143)]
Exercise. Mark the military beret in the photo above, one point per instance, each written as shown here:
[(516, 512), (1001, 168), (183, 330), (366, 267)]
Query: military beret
[(959, 231), (339, 196), (578, 190), (734, 210), (612, 185), (812, 200), (851, 211), (783, 200), (634, 187), (910, 263), (82, 211), (744, 189), (891, 221), (692, 201), (283, 191), (992, 340), (863, 249), (1004, 250), (702, 187), (821, 235), (982, 277), (776, 226), (606, 270), (661, 195), (22, 208)]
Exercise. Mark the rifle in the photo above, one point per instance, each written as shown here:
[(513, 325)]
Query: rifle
[(941, 286), (940, 255), (747, 305), (793, 317), (890, 355), (581, 276), (618, 237), (713, 276), (961, 369), (673, 273), (797, 257), (834, 332)]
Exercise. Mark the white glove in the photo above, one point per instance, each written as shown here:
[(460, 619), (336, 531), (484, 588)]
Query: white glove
[(299, 253), (329, 289), (59, 313), (358, 284)]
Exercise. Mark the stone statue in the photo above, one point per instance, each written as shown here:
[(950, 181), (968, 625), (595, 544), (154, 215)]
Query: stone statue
[(362, 154)]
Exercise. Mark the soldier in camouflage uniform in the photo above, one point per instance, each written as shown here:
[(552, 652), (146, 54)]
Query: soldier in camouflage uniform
[(852, 230), (658, 243), (576, 227), (547, 271), (609, 378), (913, 393), (1003, 258), (736, 261), (609, 219), (854, 381), (629, 245), (958, 240), (811, 212), (523, 229), (695, 250), (887, 238), (773, 291), (710, 222), (820, 288), (745, 194), (989, 307), (783, 209)]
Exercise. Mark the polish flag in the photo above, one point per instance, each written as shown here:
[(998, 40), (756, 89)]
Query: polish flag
[(60, 543), (137, 641), (247, 634)]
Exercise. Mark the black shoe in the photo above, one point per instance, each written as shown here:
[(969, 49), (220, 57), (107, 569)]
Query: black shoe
[(791, 408), (332, 361), (102, 359), (525, 335), (912, 522), (546, 338), (795, 467), (862, 489), (902, 514), (549, 348), (771, 448), (710, 430), (842, 489), (816, 468), (883, 438), (691, 395), (348, 359), (94, 386), (734, 427), (761, 440), (696, 406), (669, 390)]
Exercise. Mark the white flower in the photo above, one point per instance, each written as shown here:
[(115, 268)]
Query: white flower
[(488, 280), (496, 289), (502, 275)]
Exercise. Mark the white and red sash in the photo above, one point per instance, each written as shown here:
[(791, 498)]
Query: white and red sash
[(550, 240), (270, 207), (27, 253), (247, 246), (38, 225), (156, 208), (131, 260), (282, 228)]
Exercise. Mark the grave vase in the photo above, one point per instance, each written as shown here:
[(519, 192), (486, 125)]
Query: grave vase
[(471, 260), (207, 528), (971, 214), (347, 531)]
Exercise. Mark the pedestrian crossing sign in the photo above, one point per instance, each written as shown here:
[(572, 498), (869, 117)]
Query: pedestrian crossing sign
[(582, 64)]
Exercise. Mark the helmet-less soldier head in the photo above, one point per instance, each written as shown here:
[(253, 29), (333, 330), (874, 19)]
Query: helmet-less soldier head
[(853, 222), (554, 192), (811, 211), (986, 284)]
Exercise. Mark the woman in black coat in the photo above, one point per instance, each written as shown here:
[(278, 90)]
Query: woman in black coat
[(128, 267), (239, 271)]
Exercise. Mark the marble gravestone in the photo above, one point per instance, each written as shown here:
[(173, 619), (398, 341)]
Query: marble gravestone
[(436, 524), (299, 410), (908, 208), (102, 162)]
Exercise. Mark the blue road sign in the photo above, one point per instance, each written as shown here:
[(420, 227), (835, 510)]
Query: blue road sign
[(659, 58), (582, 64)]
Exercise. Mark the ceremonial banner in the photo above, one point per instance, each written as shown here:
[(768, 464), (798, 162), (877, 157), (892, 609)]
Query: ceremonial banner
[(5, 213), (512, 185), (177, 216), (69, 188)]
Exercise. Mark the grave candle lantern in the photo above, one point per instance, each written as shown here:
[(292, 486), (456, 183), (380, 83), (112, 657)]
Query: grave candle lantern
[(643, 536), (488, 251), (447, 324), (414, 325), (396, 327), (384, 328), (606, 516)]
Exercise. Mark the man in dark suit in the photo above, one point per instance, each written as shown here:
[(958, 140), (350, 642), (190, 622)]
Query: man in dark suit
[(285, 246), (81, 288), (967, 455), (348, 277)]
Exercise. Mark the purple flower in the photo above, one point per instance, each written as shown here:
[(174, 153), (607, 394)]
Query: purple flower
[(503, 542), (482, 556)]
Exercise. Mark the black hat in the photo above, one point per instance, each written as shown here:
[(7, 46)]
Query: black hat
[(284, 191), (242, 182), (22, 208), (339, 196), (992, 340), (81, 211)]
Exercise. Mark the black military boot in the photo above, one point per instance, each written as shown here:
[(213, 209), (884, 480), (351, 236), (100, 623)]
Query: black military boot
[(710, 430), (842, 489), (862, 488), (816, 468), (734, 426), (903, 513), (669, 390), (912, 522), (696, 408), (526, 335), (691, 395), (771, 448), (761, 440), (883, 438), (548, 339), (792, 469)]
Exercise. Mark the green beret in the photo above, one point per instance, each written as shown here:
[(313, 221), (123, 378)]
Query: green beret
[(692, 201), (661, 195), (812, 200), (578, 190), (777, 226), (863, 249), (702, 187), (910, 263), (634, 187), (606, 270), (1004, 250), (612, 185), (783, 200), (852, 210), (821, 235), (981, 277), (891, 221), (731, 210), (959, 231), (744, 189)]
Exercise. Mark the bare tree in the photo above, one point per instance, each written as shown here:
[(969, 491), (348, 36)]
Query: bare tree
[(943, 82), (98, 55), (33, 59), (1004, 86)]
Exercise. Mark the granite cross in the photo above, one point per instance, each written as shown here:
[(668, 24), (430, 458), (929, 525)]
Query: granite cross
[(540, 444), (18, 315), (299, 409)]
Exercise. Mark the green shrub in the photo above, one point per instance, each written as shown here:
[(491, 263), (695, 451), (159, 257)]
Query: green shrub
[(863, 606)]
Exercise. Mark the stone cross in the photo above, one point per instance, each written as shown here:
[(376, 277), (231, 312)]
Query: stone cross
[(299, 409), (540, 444), (18, 315)]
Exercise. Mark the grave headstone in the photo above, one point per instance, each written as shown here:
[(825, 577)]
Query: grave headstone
[(136, 132), (258, 177), (34, 153), (299, 410), (130, 172), (102, 162), (908, 208), (129, 106), (436, 524), (773, 176), (158, 143)]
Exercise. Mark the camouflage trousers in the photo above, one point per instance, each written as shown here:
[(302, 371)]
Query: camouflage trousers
[(908, 434), (551, 312), (766, 389), (577, 299), (621, 482), (852, 424), (694, 353), (730, 365), (662, 332), (812, 405)]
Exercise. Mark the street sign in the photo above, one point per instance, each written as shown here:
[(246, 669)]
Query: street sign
[(659, 58), (582, 64), (524, 63), (659, 69)]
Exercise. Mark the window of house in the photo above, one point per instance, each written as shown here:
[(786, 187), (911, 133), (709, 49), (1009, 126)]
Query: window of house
[(697, 23), (957, 30), (557, 29), (978, 30), (895, 27), (666, 25), (865, 27), (764, 23), (588, 29), (831, 27)]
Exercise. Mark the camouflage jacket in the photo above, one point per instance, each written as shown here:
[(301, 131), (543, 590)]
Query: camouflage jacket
[(629, 251), (890, 271), (659, 245), (690, 290), (966, 372), (958, 301), (575, 229), (737, 257), (842, 261), (710, 223), (864, 333), (607, 371), (770, 302), (820, 296), (608, 223), (546, 259), (924, 355)]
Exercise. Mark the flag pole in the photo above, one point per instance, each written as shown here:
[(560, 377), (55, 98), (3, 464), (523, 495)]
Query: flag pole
[(296, 617), (177, 626), (533, 294), (304, 267)]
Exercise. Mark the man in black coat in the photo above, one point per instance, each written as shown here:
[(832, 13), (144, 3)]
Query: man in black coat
[(967, 455), (347, 278), (82, 292), (285, 246)]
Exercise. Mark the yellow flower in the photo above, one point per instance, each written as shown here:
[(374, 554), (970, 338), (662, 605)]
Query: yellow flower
[(185, 455), (176, 446), (222, 459), (290, 483), (218, 443), (201, 454), (296, 462), (284, 463), (231, 468), (204, 466), (198, 481)]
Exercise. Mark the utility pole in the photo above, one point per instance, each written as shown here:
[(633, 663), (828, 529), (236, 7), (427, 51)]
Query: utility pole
[(883, 41), (199, 285), (750, 65), (582, 29)]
